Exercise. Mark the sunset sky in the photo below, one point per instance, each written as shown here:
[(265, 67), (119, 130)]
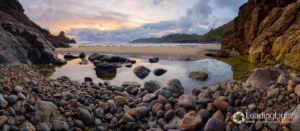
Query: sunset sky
[(105, 21)]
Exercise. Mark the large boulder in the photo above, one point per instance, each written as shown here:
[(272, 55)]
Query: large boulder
[(141, 71), (216, 53), (106, 69), (198, 75), (260, 78), (60, 62), (174, 85), (96, 56)]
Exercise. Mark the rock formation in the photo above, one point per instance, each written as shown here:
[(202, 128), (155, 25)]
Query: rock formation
[(21, 40), (268, 30)]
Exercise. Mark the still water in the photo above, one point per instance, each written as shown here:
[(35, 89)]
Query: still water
[(220, 71)]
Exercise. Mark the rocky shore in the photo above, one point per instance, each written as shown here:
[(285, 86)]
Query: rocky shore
[(30, 101)]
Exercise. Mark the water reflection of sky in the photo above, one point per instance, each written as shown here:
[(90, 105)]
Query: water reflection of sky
[(219, 72)]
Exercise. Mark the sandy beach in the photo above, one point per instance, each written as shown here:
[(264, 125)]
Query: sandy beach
[(164, 52)]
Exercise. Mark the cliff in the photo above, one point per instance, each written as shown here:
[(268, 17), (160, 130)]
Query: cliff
[(171, 38), (21, 40), (268, 30), (217, 35), (15, 9), (61, 36)]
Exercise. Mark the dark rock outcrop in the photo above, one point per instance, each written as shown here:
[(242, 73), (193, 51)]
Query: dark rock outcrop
[(159, 72), (154, 60), (16, 11), (222, 54), (268, 30), (141, 71)]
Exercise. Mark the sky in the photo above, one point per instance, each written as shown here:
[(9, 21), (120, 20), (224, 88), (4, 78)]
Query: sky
[(108, 21)]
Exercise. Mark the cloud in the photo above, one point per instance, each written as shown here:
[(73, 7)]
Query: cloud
[(232, 4), (125, 20)]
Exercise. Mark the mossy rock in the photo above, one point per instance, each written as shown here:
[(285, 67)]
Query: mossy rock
[(254, 58)]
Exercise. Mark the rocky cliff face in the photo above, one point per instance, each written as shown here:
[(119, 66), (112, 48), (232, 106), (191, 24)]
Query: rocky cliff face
[(21, 40), (15, 9), (269, 30)]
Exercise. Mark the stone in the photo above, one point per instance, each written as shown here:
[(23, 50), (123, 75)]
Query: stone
[(191, 121), (113, 123), (106, 69), (141, 72), (120, 102), (27, 126), (159, 72), (215, 88), (214, 124), (174, 85), (260, 78), (127, 118), (160, 114), (151, 86), (84, 62), (44, 109), (295, 119), (60, 62), (18, 89), (82, 55), (149, 97), (135, 113), (234, 53), (12, 99), (219, 115), (99, 112), (3, 102), (43, 127), (157, 107), (144, 112), (198, 75), (205, 115), (221, 54), (286, 121), (162, 100), (187, 101), (221, 105), (85, 116), (154, 60), (169, 115), (3, 120), (283, 80), (297, 90), (273, 93), (60, 125)]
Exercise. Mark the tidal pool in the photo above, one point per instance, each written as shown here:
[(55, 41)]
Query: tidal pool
[(220, 71)]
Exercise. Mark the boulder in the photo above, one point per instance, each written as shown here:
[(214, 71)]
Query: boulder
[(216, 53), (295, 119), (159, 72), (82, 55), (198, 75), (151, 86), (84, 62), (174, 85), (60, 62), (154, 60), (96, 56), (260, 78), (69, 56), (141, 71), (106, 69)]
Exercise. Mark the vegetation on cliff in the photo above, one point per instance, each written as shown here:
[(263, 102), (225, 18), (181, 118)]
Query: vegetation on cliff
[(61, 36), (217, 35), (171, 38)]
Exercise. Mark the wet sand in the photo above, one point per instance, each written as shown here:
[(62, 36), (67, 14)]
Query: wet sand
[(163, 52)]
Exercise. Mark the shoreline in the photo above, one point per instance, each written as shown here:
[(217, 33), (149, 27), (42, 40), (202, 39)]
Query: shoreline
[(163, 52)]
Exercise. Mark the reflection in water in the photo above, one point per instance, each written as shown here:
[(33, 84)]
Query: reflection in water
[(219, 72)]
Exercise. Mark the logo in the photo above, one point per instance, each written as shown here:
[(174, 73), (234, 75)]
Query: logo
[(238, 117)]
